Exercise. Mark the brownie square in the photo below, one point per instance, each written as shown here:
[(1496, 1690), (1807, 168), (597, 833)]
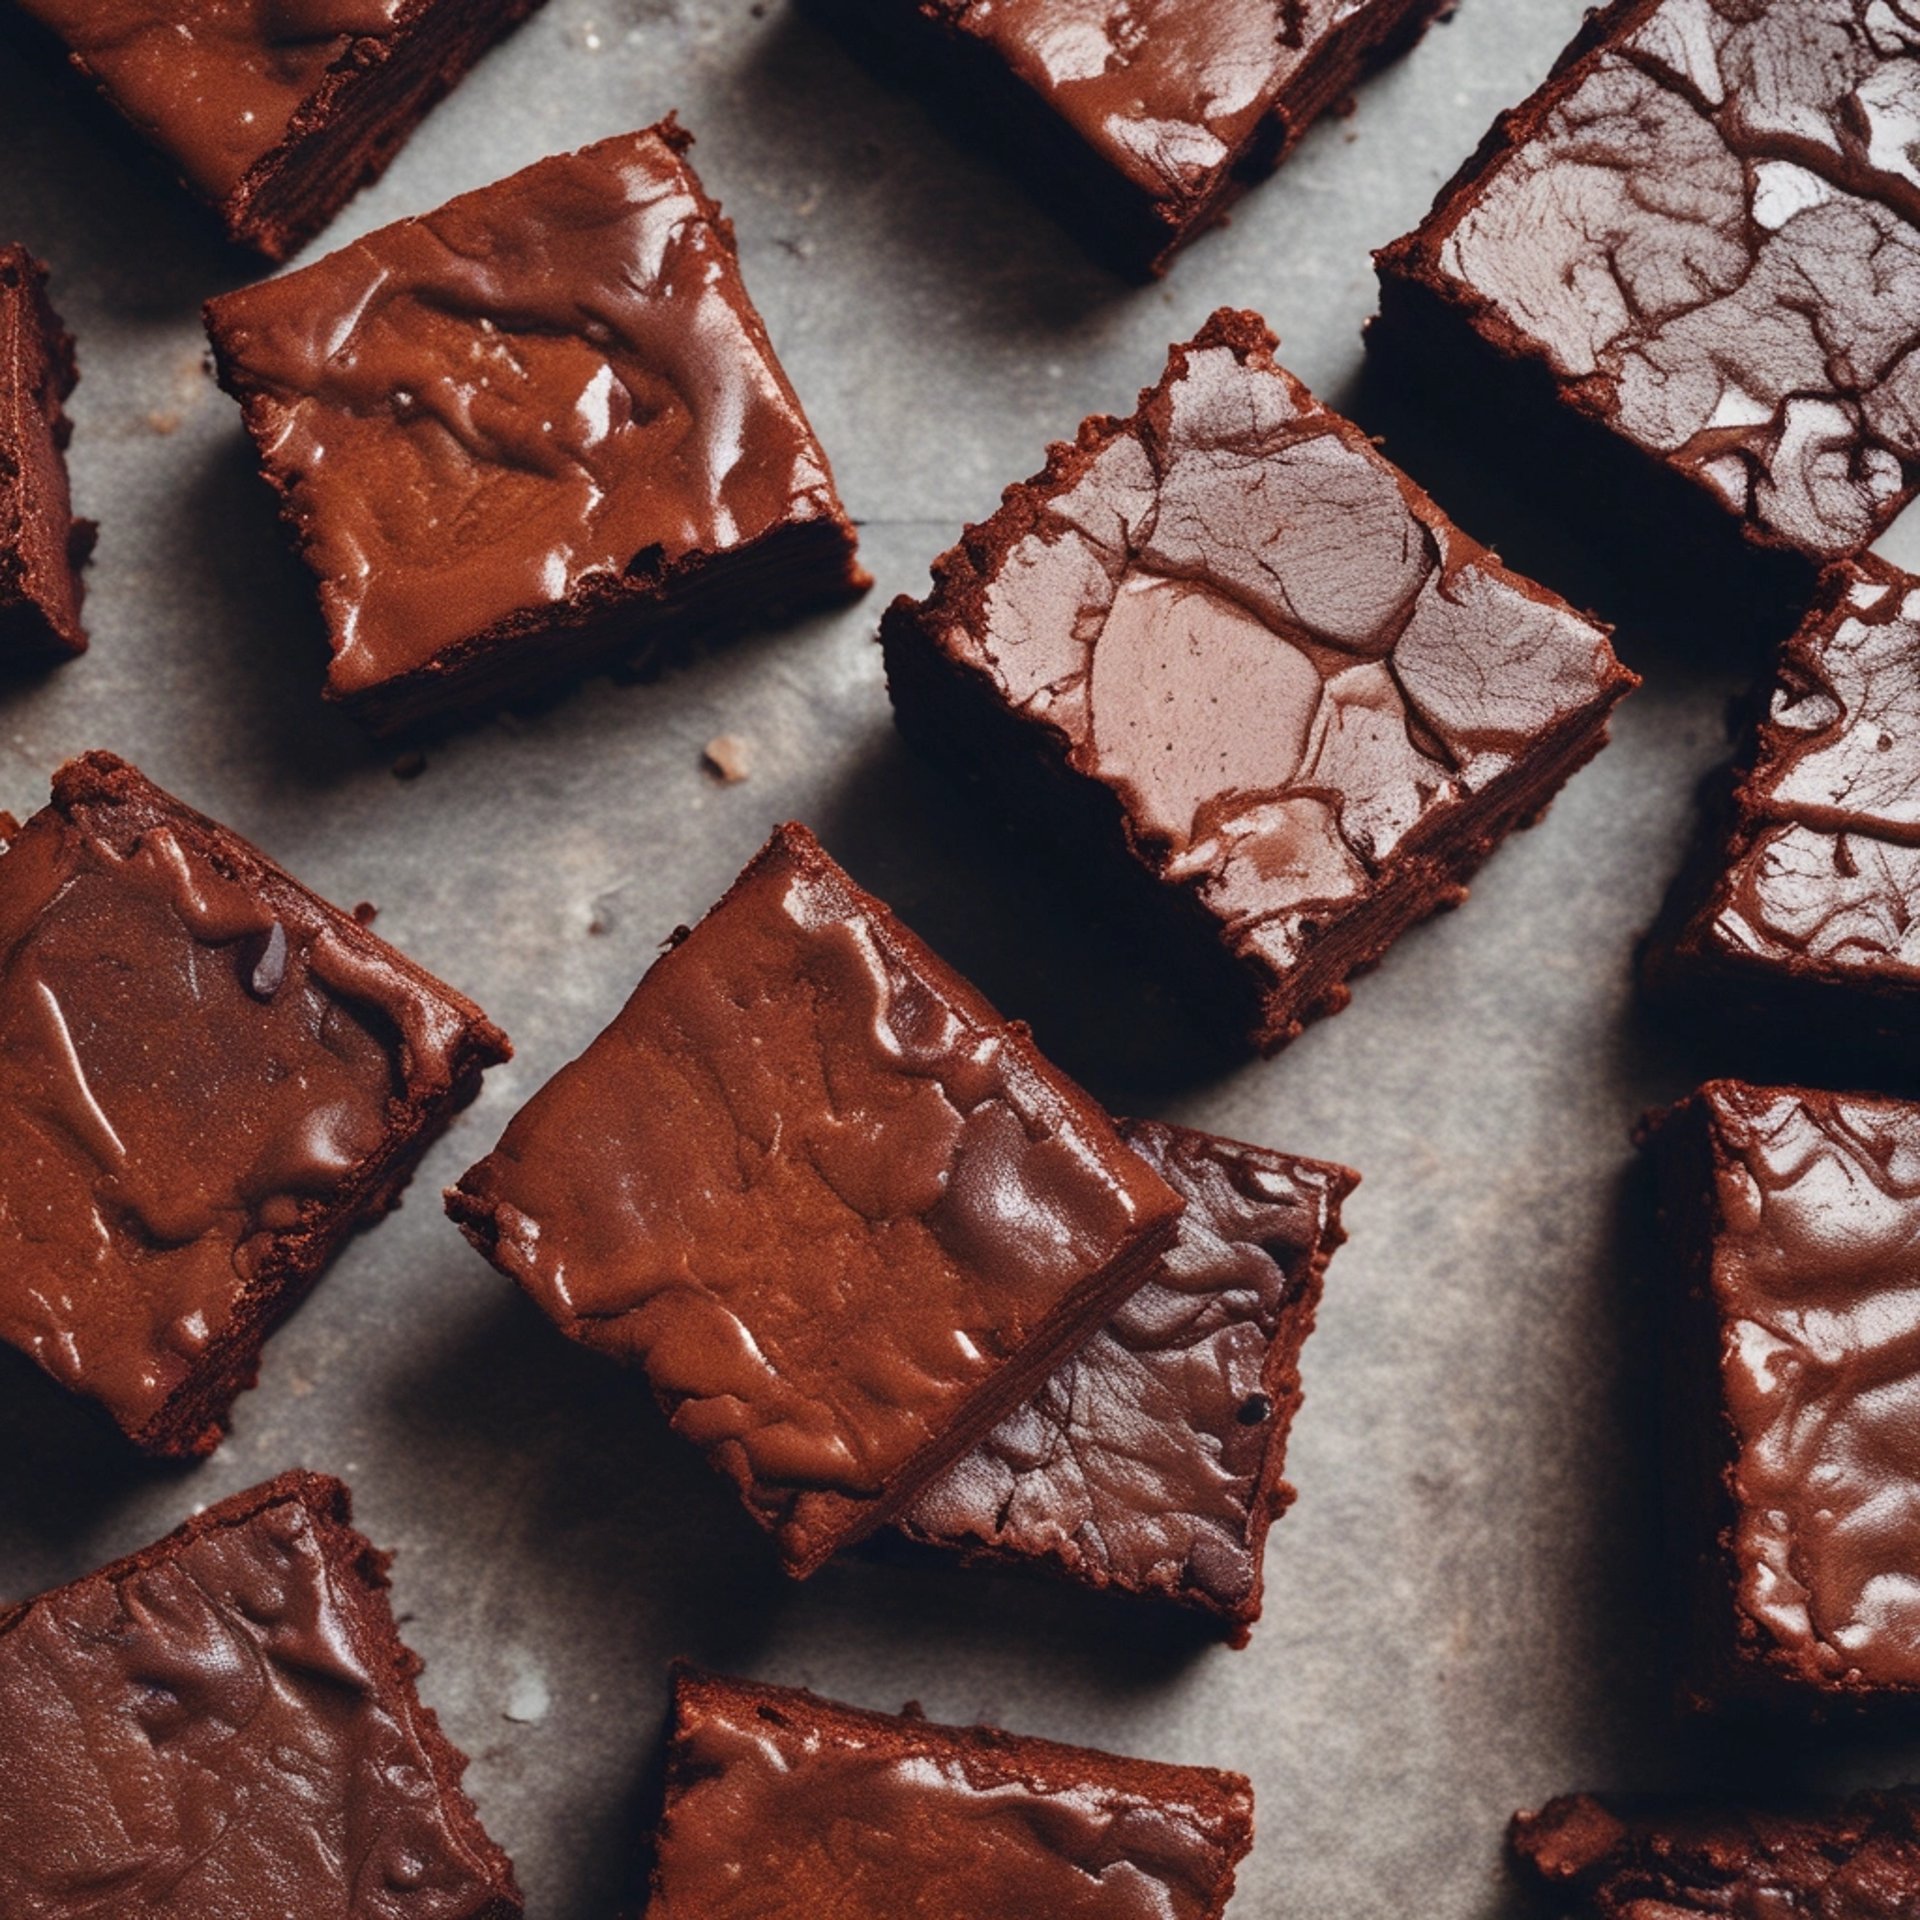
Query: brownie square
[(842, 1214), (1798, 921), (537, 431), (210, 1078), (274, 115), (225, 1726), (1701, 238), (782, 1804), (1792, 1218), (42, 546), (1227, 656), (1139, 124), (1643, 1859), (1151, 1462)]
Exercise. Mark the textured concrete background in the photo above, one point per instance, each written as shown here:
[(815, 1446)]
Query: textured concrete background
[(1460, 1617)]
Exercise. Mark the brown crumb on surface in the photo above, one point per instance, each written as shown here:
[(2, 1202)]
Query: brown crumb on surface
[(163, 422), (410, 765), (728, 758), (366, 913)]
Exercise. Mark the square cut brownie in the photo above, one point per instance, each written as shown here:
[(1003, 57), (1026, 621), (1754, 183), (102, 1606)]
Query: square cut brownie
[(1151, 1462), (537, 431), (1142, 123), (225, 1726), (784, 1806), (1792, 1219), (273, 112), (1645, 1859), (1701, 240), (42, 546), (209, 1079), (1799, 918), (843, 1215), (1227, 655)]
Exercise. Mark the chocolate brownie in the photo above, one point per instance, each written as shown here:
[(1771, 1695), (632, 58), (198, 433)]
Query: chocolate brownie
[(1701, 238), (1139, 124), (210, 1078), (273, 112), (538, 431), (1796, 921), (1225, 654), (1625, 1859), (42, 546), (842, 1214), (1792, 1219), (1151, 1461), (224, 1727), (784, 1806)]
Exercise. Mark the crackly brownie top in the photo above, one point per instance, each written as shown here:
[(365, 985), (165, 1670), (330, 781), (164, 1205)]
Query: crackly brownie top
[(1710, 227), (213, 82), (538, 389), (1673, 1860), (198, 1060), (1149, 1459), (213, 1730), (783, 1804), (1816, 1283), (1271, 646), (813, 1183)]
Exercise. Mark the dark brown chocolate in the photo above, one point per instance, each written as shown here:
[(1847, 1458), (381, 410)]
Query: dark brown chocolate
[(842, 1213)]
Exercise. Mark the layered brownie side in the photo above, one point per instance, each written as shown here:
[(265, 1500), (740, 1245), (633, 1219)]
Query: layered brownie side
[(1225, 656), (212, 1078), (225, 1724), (1152, 1462), (842, 1214), (42, 546), (781, 1802), (539, 431), (273, 116)]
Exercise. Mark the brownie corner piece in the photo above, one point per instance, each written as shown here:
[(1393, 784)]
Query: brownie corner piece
[(840, 1212), (180, 1163), (538, 431), (42, 546), (243, 1684), (1152, 1462), (956, 1822), (1245, 670)]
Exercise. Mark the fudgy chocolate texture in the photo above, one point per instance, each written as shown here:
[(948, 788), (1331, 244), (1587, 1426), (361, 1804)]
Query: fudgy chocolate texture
[(1140, 123), (210, 1078), (1228, 655), (1620, 1859), (784, 1806), (842, 1213), (42, 546), (531, 433), (225, 1726), (274, 112), (1151, 1461), (1793, 1218), (1705, 231), (1798, 918)]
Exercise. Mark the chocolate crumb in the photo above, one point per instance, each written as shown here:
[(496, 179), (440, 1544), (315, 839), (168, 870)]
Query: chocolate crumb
[(410, 765)]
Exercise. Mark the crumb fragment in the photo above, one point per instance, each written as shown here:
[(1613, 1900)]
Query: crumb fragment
[(366, 913), (728, 758), (163, 422), (410, 765)]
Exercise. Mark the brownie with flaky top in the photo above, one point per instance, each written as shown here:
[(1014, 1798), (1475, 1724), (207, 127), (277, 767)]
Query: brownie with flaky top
[(537, 431), (210, 1078), (843, 1215), (782, 1804), (1224, 655)]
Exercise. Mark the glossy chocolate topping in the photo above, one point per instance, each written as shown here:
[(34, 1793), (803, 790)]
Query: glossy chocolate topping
[(1655, 1860), (1816, 1284), (1709, 228), (202, 1066), (475, 417), (224, 1728), (1151, 1460), (822, 1193), (782, 1805)]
